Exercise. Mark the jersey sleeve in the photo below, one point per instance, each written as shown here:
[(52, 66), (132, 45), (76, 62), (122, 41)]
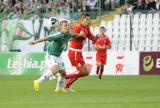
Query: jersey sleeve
[(90, 35), (108, 42), (54, 36), (69, 36), (76, 28)]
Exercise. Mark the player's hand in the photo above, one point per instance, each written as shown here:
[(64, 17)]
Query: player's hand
[(108, 47), (82, 34), (97, 46), (32, 43), (102, 47)]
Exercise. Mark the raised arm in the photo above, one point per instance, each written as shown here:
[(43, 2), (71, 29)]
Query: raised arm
[(39, 40)]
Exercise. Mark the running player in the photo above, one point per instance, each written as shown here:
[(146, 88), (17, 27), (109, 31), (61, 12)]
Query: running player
[(75, 49), (101, 45), (58, 42)]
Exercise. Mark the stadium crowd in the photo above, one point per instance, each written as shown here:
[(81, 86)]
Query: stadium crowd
[(141, 5), (16, 8), (60, 8)]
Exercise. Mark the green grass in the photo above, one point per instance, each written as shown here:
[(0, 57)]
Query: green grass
[(110, 92)]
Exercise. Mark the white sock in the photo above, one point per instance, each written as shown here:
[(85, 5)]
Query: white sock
[(53, 77), (60, 82), (45, 76)]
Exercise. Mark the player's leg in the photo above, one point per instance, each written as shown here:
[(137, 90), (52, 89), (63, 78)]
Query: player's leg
[(61, 81), (98, 62), (103, 62), (54, 69), (82, 72), (53, 77), (61, 77), (97, 69), (77, 61), (101, 72), (50, 64), (46, 68)]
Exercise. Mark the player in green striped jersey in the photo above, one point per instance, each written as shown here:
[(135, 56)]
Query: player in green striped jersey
[(58, 42)]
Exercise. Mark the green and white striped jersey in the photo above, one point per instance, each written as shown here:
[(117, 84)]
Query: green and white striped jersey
[(58, 42)]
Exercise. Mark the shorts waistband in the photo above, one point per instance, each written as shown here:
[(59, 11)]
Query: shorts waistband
[(77, 50)]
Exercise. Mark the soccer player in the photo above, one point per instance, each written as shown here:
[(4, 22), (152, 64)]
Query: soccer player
[(53, 26), (58, 42), (75, 49), (101, 45)]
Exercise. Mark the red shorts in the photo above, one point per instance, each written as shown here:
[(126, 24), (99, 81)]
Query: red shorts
[(76, 58), (101, 58)]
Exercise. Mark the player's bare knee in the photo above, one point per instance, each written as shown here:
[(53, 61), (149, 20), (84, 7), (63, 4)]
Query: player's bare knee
[(63, 74), (85, 70), (86, 73), (54, 70)]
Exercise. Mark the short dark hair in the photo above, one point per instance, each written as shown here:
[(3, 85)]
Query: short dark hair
[(84, 15), (102, 28)]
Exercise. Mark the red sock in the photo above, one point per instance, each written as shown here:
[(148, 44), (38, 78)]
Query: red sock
[(101, 72), (77, 74), (74, 75), (71, 78), (70, 81)]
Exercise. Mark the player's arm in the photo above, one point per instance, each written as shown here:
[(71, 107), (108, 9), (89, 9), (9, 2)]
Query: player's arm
[(107, 45), (77, 35), (76, 32), (96, 46), (39, 40), (92, 37)]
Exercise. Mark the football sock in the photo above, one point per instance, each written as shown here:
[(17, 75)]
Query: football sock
[(98, 68), (45, 76), (101, 72), (75, 75), (60, 82), (71, 78), (70, 81)]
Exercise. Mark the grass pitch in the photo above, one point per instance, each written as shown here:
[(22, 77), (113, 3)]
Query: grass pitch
[(110, 92)]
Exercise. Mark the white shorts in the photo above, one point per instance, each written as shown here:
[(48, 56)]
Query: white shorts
[(53, 60)]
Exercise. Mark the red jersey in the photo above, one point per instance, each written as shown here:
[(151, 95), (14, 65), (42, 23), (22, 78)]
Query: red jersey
[(78, 43), (102, 41)]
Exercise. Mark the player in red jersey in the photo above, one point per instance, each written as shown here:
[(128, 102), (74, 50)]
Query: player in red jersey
[(75, 49), (101, 45)]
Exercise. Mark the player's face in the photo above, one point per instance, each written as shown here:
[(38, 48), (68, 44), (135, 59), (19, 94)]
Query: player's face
[(64, 27), (86, 21), (102, 31)]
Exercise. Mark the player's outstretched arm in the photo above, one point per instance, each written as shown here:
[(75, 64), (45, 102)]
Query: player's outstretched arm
[(39, 40)]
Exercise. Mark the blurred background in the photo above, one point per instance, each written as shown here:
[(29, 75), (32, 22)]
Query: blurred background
[(131, 76), (133, 27)]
